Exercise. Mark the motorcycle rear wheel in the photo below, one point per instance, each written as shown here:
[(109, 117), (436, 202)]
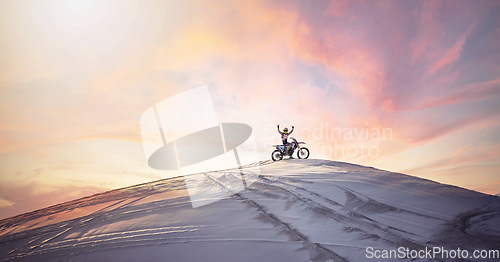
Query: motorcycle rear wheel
[(303, 153), (276, 155)]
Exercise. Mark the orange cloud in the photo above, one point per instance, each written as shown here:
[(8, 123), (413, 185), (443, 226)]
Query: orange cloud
[(407, 66)]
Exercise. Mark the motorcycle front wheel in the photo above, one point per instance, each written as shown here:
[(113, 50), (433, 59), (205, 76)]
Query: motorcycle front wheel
[(303, 153), (276, 155)]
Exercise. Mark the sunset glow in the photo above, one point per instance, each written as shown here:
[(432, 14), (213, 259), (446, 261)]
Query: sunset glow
[(405, 86)]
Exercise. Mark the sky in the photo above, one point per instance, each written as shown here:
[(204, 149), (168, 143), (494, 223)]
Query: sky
[(405, 86)]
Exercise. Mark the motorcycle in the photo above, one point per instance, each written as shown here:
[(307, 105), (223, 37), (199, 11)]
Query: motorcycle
[(288, 150)]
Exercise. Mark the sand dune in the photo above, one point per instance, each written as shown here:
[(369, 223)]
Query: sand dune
[(295, 210)]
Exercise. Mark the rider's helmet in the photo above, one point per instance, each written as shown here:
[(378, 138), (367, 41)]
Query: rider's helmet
[(285, 130)]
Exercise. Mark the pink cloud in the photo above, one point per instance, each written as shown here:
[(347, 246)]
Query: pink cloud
[(371, 63), (450, 56), (409, 66), (469, 93)]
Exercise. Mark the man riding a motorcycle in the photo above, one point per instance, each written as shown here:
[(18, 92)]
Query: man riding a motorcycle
[(284, 135), (287, 149)]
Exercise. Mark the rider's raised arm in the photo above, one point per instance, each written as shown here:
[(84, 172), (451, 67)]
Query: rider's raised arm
[(279, 129), (292, 130)]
